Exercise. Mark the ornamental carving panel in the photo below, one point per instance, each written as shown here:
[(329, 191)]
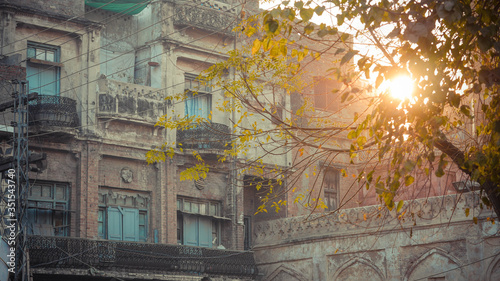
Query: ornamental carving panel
[(119, 99), (205, 18)]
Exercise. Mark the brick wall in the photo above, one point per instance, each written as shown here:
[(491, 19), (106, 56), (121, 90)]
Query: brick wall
[(11, 72), (64, 7), (8, 73)]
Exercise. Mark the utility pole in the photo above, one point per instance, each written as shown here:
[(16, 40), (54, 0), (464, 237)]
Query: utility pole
[(21, 157), (15, 170)]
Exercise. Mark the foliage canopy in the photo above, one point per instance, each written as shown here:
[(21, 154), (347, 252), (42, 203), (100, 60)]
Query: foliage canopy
[(449, 48)]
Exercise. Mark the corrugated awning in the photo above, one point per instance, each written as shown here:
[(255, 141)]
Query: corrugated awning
[(129, 7)]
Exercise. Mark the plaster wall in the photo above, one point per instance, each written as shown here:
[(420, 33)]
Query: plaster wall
[(433, 244)]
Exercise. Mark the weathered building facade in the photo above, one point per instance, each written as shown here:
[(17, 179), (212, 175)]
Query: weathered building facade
[(97, 211)]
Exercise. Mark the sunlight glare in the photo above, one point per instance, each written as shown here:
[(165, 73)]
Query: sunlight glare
[(401, 87)]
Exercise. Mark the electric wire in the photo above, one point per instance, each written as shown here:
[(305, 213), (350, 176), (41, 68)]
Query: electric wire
[(132, 66), (104, 21)]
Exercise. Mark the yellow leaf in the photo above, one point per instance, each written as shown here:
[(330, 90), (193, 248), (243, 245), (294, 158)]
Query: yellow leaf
[(256, 46)]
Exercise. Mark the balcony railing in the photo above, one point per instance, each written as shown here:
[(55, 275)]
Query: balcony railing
[(204, 136), (53, 111), (78, 253)]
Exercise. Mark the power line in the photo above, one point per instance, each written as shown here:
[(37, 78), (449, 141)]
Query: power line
[(458, 267), (133, 50), (160, 54), (68, 20)]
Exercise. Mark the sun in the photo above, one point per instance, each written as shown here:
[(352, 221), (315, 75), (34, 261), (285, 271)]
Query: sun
[(401, 87)]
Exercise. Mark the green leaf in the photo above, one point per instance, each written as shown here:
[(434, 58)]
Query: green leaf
[(409, 180), (306, 14), (308, 29), (340, 19), (319, 10), (344, 37), (399, 206), (484, 43), (348, 56), (395, 32), (339, 50), (465, 109), (299, 4), (271, 26), (454, 99), (409, 165), (439, 172)]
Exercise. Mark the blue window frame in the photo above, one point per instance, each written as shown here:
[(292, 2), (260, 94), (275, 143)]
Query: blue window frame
[(48, 209), (43, 69), (199, 99), (124, 224), (198, 222)]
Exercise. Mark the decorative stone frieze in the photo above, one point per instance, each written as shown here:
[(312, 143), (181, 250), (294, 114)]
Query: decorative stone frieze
[(119, 99), (123, 198), (424, 212), (210, 15)]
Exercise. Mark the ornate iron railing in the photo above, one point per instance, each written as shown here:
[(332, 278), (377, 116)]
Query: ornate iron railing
[(53, 111), (204, 136), (78, 253)]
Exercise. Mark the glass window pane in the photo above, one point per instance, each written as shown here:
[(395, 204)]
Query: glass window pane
[(213, 209), (46, 191), (31, 52), (203, 208), (44, 217), (195, 208), (60, 193), (142, 219), (215, 232), (187, 206), (100, 230), (142, 232), (36, 191), (179, 204), (40, 54), (50, 56)]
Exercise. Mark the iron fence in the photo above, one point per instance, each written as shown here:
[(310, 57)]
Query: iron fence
[(53, 111), (204, 136), (79, 253)]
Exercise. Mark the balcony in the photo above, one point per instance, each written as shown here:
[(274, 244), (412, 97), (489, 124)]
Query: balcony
[(215, 16), (132, 102), (49, 253), (53, 111), (205, 136)]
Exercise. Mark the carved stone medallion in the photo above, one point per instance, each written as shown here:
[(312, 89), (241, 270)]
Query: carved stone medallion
[(127, 175)]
